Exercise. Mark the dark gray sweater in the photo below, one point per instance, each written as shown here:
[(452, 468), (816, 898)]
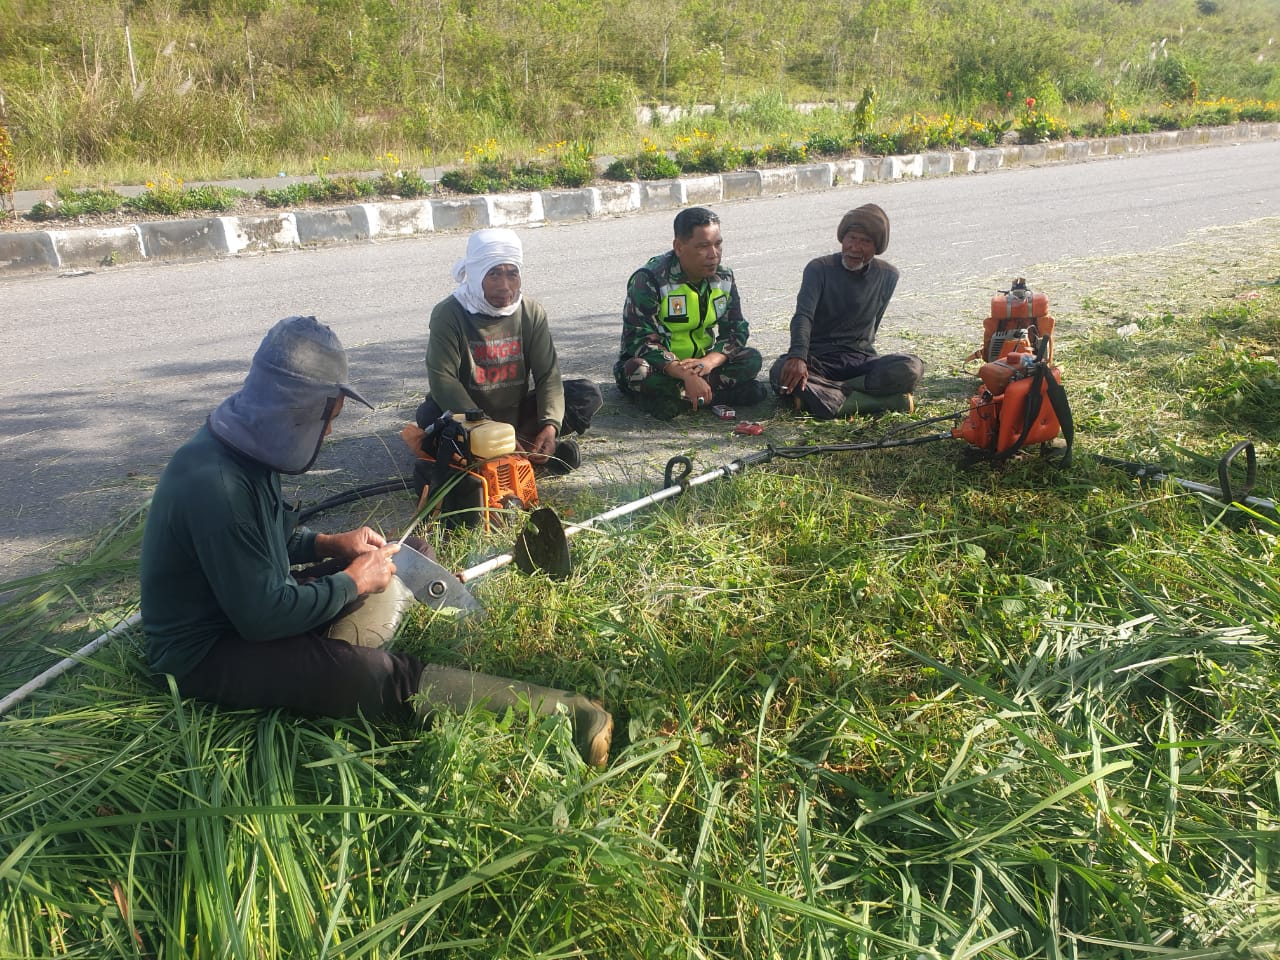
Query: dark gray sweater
[(838, 311)]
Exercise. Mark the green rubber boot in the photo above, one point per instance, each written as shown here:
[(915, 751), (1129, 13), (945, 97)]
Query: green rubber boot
[(857, 402), (459, 690)]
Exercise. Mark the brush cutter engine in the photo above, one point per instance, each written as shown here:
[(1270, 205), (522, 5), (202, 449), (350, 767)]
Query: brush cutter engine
[(1020, 399), (474, 461), (1019, 317)]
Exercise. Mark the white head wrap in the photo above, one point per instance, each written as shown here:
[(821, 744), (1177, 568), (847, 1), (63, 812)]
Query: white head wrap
[(486, 249)]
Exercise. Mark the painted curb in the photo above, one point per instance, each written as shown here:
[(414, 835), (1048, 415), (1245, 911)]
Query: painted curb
[(26, 253)]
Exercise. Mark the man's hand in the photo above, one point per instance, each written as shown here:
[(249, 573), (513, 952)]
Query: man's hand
[(702, 365), (794, 376), (542, 445), (372, 571), (692, 373), (349, 545)]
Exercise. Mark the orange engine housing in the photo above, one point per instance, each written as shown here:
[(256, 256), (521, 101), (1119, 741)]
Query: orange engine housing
[(996, 420), (506, 481), (1019, 317)]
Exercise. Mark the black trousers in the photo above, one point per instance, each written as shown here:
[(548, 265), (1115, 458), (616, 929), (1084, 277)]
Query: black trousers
[(310, 674), (582, 401), (830, 373)]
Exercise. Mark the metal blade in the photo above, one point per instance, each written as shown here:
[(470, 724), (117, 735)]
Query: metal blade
[(431, 583)]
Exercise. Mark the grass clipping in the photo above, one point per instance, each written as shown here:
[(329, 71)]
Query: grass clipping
[(871, 705)]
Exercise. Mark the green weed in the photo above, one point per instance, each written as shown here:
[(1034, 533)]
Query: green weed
[(68, 204), (288, 84), (404, 183), (173, 197), (874, 704), (651, 163)]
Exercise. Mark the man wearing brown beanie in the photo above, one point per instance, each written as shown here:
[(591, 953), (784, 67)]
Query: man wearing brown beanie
[(832, 368)]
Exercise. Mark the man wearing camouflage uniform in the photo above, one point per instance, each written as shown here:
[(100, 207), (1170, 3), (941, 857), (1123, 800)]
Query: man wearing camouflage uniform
[(683, 333)]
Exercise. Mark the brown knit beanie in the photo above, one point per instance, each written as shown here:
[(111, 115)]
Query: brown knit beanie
[(868, 219)]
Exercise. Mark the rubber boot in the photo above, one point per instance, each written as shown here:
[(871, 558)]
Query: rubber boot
[(566, 458), (857, 402), (459, 690)]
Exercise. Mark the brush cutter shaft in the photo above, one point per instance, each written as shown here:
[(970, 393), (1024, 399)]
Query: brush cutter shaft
[(677, 481), (1215, 492), (65, 664), (666, 493), (672, 490), (1223, 493)]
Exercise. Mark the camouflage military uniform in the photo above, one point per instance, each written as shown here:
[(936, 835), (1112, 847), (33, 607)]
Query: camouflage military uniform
[(669, 317)]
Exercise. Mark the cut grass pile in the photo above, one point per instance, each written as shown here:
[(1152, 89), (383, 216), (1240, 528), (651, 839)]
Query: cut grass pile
[(870, 705)]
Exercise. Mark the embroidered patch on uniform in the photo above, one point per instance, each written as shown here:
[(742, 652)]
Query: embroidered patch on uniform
[(676, 307)]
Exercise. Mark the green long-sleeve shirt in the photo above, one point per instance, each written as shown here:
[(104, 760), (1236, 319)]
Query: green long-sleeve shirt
[(216, 552), (486, 363)]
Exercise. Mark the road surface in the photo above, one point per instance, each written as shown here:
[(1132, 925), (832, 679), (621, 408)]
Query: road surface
[(107, 372)]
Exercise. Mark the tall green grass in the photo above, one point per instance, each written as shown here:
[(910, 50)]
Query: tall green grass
[(214, 88), (872, 705)]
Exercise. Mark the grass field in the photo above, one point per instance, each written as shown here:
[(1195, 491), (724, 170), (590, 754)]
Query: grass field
[(106, 92), (882, 704)]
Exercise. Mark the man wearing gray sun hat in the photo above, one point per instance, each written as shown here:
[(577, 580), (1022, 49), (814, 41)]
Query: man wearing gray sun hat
[(224, 610)]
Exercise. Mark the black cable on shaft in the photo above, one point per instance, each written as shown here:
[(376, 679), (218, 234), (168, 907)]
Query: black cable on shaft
[(360, 493)]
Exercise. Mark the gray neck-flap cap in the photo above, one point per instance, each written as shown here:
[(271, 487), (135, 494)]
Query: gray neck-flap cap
[(279, 415)]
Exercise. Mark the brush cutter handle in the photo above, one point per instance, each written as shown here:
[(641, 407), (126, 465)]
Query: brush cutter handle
[(760, 456), (1251, 472), (677, 472)]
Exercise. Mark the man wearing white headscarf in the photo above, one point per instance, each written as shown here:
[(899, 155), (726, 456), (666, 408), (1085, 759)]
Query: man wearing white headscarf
[(489, 348)]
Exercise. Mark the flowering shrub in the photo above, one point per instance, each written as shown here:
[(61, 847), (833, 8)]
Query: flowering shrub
[(484, 170), (1036, 126), (1224, 110), (823, 144), (169, 195), (403, 183), (650, 163), (571, 164), (567, 164), (785, 152), (1180, 116), (882, 144)]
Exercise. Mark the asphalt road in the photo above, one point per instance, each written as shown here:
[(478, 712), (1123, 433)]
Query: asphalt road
[(107, 372)]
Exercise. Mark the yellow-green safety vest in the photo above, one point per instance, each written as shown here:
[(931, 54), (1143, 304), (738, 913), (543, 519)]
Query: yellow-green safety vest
[(683, 314)]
